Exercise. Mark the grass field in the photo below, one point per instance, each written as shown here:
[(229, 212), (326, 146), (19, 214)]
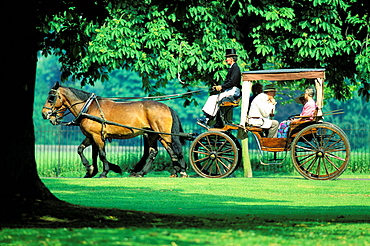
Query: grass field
[(231, 211)]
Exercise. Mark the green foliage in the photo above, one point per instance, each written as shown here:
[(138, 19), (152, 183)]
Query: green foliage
[(320, 33), (186, 40), (160, 47)]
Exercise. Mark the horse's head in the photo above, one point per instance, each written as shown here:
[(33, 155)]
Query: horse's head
[(54, 107)]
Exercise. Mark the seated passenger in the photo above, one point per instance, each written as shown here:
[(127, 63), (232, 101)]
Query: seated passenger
[(256, 90), (309, 107), (262, 110), (309, 104)]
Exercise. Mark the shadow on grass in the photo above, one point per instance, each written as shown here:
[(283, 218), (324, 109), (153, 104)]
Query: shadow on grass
[(229, 211)]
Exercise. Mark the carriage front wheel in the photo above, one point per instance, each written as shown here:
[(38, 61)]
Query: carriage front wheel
[(215, 154), (321, 151)]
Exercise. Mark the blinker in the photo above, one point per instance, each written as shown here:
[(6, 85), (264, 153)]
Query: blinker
[(52, 98)]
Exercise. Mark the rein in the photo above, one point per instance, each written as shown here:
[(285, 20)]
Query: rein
[(157, 98)]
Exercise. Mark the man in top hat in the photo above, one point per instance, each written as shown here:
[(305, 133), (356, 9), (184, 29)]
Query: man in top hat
[(230, 88), (262, 110)]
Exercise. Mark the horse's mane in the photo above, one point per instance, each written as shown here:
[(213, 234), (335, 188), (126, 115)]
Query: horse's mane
[(80, 94)]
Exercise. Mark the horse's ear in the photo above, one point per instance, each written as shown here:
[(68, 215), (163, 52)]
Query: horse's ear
[(56, 86)]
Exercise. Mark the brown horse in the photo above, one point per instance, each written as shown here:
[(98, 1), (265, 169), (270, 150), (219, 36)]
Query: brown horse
[(100, 119)]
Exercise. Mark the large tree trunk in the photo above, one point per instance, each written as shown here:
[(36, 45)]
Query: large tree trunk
[(20, 183)]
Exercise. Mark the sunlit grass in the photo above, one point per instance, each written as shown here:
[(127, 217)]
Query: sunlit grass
[(259, 211)]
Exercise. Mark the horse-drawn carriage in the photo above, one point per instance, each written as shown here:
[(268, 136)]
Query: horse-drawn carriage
[(319, 150)]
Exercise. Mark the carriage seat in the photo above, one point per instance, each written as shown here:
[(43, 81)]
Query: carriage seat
[(230, 102), (254, 129), (295, 127), (308, 117), (225, 114)]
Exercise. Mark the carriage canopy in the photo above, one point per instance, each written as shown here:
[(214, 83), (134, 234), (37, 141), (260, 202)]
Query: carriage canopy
[(282, 74)]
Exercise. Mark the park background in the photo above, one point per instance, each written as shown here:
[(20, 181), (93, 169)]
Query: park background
[(145, 37), (56, 146)]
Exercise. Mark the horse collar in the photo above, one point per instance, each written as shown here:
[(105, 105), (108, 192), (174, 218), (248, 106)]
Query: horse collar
[(84, 109)]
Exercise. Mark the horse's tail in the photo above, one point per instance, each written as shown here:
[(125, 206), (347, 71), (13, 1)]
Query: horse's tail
[(177, 141)]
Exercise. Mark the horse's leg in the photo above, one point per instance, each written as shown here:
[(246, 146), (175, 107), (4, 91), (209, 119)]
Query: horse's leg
[(140, 165), (102, 155), (95, 153), (152, 149), (183, 167), (178, 162), (90, 169)]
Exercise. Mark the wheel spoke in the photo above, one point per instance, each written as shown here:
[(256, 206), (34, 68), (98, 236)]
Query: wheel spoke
[(204, 146), (312, 162), (226, 151), (334, 144), (328, 139), (309, 143), (307, 159), (318, 167), (335, 157), (202, 159), (314, 139), (218, 166), (208, 163), (305, 148), (222, 145), (326, 169), (310, 154), (201, 152), (332, 163)]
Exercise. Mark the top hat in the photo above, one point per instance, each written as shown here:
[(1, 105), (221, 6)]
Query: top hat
[(230, 52), (270, 87)]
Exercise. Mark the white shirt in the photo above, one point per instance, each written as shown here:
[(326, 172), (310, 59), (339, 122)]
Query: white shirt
[(259, 113)]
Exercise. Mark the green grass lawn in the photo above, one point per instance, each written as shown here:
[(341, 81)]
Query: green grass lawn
[(235, 211)]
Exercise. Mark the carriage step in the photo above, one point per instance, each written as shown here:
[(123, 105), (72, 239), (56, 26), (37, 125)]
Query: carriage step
[(225, 128)]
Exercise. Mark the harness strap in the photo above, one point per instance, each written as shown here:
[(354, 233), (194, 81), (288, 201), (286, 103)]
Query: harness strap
[(85, 108), (103, 122), (100, 120)]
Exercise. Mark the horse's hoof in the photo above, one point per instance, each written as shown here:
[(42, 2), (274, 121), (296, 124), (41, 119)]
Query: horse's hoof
[(87, 175), (173, 176), (184, 175), (115, 168), (103, 176), (135, 175)]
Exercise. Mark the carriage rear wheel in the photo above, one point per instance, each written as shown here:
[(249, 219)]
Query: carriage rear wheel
[(215, 154), (321, 151)]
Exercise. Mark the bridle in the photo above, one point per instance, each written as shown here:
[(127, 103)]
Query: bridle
[(53, 111), (59, 114)]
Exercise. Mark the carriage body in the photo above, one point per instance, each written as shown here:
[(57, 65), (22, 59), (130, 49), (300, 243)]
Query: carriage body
[(319, 150)]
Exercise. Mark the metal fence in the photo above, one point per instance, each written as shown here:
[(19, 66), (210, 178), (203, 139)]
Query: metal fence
[(56, 151)]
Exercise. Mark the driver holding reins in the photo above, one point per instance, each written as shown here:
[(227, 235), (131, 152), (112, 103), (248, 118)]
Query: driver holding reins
[(230, 87)]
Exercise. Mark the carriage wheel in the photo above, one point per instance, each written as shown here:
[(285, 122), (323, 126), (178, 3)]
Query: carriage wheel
[(321, 152), (215, 154)]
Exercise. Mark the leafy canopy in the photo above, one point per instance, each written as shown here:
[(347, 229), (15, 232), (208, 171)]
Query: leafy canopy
[(186, 40)]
